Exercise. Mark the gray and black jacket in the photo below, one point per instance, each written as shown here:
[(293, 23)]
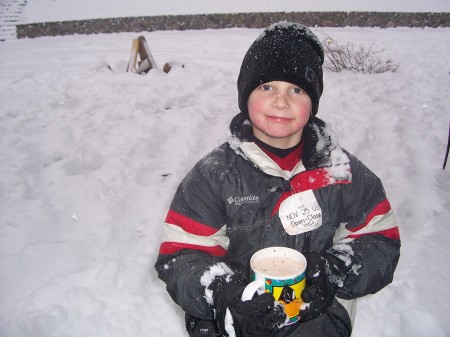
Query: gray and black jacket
[(235, 201)]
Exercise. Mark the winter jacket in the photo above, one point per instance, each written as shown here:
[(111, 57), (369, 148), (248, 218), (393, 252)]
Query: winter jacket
[(236, 201)]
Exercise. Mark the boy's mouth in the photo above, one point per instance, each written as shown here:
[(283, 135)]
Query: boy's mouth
[(279, 119)]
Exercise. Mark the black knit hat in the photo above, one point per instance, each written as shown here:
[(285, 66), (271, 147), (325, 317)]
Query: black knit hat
[(287, 52)]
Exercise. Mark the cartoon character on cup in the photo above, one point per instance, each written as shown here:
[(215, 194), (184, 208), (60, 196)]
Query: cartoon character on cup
[(290, 301)]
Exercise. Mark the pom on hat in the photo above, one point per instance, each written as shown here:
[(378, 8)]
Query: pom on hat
[(287, 52)]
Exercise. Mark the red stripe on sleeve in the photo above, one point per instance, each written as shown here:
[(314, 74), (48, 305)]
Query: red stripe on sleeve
[(174, 247), (392, 233), (382, 208), (189, 225)]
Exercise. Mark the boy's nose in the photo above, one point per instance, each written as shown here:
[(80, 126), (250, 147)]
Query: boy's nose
[(280, 101)]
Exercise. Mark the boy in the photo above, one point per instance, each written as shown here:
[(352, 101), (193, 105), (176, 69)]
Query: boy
[(279, 160)]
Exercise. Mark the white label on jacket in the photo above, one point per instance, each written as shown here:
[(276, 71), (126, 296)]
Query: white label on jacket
[(300, 213)]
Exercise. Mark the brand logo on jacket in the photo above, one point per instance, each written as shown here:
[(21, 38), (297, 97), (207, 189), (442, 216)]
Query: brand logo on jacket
[(251, 199)]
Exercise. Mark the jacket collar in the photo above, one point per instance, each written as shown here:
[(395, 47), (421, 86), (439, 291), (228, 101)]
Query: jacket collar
[(321, 149)]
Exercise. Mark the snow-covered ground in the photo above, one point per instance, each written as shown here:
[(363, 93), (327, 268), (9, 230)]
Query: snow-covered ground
[(90, 159)]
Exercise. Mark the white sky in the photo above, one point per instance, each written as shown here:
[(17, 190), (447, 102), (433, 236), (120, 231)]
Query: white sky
[(56, 10)]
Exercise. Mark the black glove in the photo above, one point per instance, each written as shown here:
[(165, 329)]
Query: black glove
[(324, 272), (258, 317)]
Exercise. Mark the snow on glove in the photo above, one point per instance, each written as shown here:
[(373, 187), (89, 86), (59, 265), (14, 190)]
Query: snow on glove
[(324, 272), (258, 317)]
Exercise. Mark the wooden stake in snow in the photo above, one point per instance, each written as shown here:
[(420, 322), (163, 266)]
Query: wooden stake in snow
[(448, 148), (140, 48)]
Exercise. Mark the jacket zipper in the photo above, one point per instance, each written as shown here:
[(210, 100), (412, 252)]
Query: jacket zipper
[(307, 243)]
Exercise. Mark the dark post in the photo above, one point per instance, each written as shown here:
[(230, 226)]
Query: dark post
[(448, 147)]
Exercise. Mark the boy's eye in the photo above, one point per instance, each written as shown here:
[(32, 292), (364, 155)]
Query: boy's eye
[(266, 87), (297, 90)]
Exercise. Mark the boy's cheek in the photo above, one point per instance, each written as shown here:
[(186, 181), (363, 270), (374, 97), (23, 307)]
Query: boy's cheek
[(255, 106)]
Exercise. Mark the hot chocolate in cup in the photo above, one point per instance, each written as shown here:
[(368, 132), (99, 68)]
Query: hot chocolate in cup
[(281, 272)]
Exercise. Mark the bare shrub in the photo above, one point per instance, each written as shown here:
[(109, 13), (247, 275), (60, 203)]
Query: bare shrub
[(357, 59)]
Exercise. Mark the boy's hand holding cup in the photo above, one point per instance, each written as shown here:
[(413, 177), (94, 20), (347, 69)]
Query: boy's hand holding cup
[(271, 301)]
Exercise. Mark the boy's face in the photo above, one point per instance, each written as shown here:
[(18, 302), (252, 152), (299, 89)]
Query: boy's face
[(279, 111)]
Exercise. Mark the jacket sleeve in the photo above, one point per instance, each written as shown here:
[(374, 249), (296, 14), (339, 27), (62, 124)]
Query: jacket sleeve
[(368, 240), (195, 244)]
